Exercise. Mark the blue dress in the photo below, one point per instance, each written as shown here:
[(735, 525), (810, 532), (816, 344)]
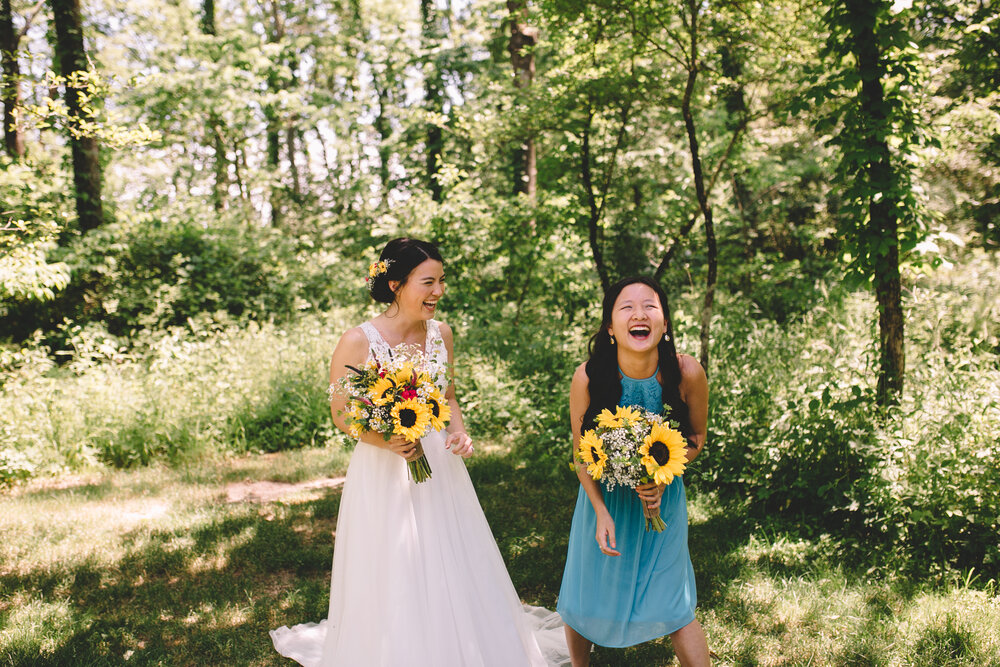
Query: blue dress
[(649, 590)]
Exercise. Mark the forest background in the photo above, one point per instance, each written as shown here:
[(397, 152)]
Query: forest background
[(191, 193)]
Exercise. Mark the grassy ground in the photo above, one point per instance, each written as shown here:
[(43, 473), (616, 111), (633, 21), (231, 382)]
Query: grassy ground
[(159, 566)]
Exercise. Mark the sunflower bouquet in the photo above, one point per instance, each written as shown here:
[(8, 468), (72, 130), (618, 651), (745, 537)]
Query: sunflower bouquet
[(396, 398), (630, 447)]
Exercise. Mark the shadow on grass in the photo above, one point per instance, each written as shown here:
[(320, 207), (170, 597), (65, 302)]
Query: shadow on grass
[(203, 594), (208, 592)]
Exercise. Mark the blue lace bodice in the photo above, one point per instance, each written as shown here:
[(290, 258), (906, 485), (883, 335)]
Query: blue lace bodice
[(646, 393)]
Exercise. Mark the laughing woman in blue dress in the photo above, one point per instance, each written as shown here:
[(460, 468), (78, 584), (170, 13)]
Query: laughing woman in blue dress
[(633, 585)]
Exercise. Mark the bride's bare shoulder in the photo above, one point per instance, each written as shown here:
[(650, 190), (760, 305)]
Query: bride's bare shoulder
[(353, 342)]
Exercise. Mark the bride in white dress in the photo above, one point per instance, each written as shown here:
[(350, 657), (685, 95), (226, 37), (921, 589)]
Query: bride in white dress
[(417, 578)]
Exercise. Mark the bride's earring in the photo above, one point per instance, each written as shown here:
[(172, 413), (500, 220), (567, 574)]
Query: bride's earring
[(666, 338), (612, 339)]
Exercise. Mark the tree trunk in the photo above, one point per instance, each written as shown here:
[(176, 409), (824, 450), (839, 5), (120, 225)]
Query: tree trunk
[(208, 17), (523, 39), (291, 143), (384, 129), (433, 99), (9, 42), (882, 209), (699, 185), (72, 57), (594, 218), (220, 191), (275, 84)]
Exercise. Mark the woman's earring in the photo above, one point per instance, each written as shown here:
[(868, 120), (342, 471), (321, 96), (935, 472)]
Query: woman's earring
[(612, 340), (666, 338)]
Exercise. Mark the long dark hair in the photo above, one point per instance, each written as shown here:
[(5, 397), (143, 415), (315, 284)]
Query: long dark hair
[(403, 255), (602, 365)]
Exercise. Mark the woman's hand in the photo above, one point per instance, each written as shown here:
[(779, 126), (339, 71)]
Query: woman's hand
[(606, 534), (398, 444), (460, 444), (650, 493)]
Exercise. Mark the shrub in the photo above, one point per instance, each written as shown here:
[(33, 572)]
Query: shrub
[(155, 274), (295, 414), (14, 467)]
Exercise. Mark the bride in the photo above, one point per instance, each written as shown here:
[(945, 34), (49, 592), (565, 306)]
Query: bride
[(417, 576)]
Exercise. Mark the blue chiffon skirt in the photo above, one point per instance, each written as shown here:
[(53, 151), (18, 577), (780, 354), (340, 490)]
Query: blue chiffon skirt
[(646, 592)]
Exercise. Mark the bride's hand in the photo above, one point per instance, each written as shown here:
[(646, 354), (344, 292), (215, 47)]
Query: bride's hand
[(459, 443), (398, 444)]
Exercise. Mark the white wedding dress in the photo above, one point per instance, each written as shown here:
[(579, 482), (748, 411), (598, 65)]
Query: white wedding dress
[(418, 579)]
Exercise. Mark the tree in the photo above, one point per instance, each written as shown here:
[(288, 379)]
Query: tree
[(71, 56), (872, 71), (433, 98), (523, 39), (9, 43), (214, 126)]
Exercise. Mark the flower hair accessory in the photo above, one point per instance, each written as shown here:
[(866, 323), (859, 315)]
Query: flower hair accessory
[(375, 269)]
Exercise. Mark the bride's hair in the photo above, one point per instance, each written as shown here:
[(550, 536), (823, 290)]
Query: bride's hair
[(602, 366), (401, 257)]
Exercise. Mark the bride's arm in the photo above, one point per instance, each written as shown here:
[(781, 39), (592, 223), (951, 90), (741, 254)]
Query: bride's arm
[(579, 401), (352, 350), (458, 440)]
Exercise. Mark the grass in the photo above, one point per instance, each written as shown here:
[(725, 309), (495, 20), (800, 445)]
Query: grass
[(155, 567)]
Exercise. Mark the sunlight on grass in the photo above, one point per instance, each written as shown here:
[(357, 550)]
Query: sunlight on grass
[(36, 626)]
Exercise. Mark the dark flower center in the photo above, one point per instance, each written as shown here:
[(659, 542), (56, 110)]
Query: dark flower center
[(595, 454), (435, 409), (660, 453), (407, 417)]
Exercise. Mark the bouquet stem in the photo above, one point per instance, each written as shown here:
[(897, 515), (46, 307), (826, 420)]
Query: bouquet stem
[(653, 520), (420, 469)]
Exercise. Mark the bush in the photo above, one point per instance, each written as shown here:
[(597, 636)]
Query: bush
[(176, 394), (295, 414), (796, 437), (14, 467), (794, 433), (155, 274)]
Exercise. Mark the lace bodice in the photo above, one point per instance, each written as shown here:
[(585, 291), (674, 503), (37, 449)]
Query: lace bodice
[(646, 393), (435, 352)]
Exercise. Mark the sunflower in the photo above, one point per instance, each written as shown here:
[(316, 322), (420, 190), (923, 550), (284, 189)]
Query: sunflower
[(440, 411), (591, 451), (607, 419), (628, 414), (663, 454), (622, 416), (381, 392), (405, 375), (410, 418)]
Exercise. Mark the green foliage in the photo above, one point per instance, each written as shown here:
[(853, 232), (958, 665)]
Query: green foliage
[(177, 395), (146, 436), (877, 133), (798, 439), (93, 120), (795, 439), (32, 201), (154, 274), (14, 467), (294, 414)]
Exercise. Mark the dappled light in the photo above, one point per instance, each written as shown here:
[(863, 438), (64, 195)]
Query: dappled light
[(196, 202)]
